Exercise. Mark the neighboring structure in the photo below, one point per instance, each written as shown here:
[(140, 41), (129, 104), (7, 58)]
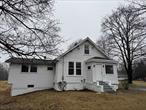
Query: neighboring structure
[(84, 66)]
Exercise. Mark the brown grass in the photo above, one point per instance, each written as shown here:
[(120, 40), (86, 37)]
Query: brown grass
[(139, 83), (72, 100)]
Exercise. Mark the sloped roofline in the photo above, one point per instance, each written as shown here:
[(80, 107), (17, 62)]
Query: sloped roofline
[(15, 60), (86, 39)]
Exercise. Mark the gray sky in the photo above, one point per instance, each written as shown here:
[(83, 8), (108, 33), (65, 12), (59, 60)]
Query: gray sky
[(81, 18)]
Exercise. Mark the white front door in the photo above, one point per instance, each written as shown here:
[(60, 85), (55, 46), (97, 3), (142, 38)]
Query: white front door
[(97, 72)]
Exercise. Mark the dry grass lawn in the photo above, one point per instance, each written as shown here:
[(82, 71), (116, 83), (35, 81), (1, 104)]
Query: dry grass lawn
[(72, 100), (139, 83)]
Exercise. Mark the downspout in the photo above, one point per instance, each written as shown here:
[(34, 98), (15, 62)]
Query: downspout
[(63, 70), (102, 69), (62, 83)]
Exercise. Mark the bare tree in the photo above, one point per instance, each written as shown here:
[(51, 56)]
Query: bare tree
[(125, 29), (27, 28), (140, 5), (74, 43), (103, 43)]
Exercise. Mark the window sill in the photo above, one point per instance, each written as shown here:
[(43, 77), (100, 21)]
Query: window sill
[(87, 54), (109, 74), (28, 72), (74, 75)]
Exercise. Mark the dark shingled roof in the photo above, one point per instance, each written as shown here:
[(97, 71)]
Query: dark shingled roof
[(30, 61), (100, 58)]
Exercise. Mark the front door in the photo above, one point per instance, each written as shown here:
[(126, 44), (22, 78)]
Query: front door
[(97, 72)]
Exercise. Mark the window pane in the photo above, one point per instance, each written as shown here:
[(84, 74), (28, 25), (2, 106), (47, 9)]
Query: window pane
[(71, 71), (78, 68), (24, 68), (109, 69), (78, 71), (71, 64), (78, 64), (50, 68), (86, 49), (33, 68), (71, 68)]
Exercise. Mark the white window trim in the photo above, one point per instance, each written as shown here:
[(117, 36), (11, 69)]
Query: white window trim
[(24, 72), (105, 69), (75, 75), (68, 68), (77, 68), (88, 49)]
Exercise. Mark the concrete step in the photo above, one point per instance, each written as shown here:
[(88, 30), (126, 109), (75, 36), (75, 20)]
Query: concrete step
[(106, 86)]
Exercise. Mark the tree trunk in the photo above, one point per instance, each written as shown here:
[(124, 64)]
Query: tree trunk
[(130, 74)]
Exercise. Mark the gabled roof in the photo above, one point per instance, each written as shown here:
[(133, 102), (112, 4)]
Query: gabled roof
[(86, 39), (52, 62), (30, 61)]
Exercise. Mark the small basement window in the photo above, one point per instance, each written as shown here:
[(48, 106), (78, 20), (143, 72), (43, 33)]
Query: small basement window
[(50, 68), (109, 69), (30, 86), (33, 68), (24, 68)]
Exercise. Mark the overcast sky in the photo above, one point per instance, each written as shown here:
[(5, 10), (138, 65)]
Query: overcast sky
[(81, 18)]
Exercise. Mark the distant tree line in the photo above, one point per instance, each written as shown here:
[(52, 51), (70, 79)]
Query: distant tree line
[(139, 68), (3, 73), (74, 43)]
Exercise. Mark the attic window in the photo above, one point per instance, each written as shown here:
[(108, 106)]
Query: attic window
[(24, 68), (86, 49)]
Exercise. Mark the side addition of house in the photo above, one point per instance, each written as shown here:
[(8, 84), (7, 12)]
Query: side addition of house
[(84, 66)]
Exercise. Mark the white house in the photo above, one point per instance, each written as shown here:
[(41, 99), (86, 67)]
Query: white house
[(84, 66)]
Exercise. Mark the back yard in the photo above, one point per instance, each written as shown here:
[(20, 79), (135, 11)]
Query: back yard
[(72, 100)]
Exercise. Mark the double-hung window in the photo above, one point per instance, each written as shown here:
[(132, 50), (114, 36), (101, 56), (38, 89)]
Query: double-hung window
[(24, 68), (78, 68), (33, 68), (74, 70), (71, 68), (86, 49)]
